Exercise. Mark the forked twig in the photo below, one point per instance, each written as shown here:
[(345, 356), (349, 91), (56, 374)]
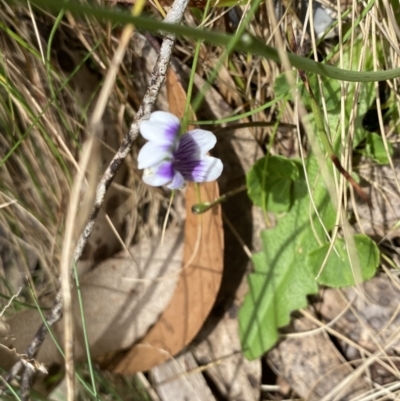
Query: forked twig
[(175, 15)]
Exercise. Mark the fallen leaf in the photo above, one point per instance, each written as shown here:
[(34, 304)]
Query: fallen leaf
[(122, 298), (200, 279), (8, 356)]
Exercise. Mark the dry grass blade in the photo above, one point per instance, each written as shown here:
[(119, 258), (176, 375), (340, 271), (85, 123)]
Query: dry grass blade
[(67, 254)]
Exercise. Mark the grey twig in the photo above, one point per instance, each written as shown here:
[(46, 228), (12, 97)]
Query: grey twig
[(175, 15)]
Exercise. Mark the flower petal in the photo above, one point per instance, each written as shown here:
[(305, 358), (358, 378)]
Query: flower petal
[(152, 154), (162, 127), (159, 175), (178, 181), (208, 169), (195, 144)]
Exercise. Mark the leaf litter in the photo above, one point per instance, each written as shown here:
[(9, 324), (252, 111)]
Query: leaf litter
[(157, 199)]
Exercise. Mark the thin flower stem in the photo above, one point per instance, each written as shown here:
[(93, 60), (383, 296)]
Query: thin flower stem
[(203, 207), (164, 227)]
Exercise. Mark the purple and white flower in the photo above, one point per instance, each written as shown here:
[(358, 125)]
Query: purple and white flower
[(169, 158)]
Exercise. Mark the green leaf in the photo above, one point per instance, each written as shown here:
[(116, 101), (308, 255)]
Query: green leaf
[(332, 95), (282, 88), (269, 182), (281, 280), (375, 149), (292, 255), (281, 85), (330, 91), (337, 271)]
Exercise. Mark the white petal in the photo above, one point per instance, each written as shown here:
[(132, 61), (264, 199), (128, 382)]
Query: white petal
[(195, 144), (152, 154), (164, 117), (178, 181), (208, 169), (162, 127), (159, 175)]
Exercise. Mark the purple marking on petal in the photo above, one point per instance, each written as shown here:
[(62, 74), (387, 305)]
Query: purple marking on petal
[(187, 148), (152, 154), (166, 170), (190, 158), (162, 127), (209, 169), (186, 168), (159, 175), (188, 153), (195, 143), (205, 139)]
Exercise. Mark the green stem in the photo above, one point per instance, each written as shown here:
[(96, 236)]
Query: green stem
[(246, 43), (203, 207)]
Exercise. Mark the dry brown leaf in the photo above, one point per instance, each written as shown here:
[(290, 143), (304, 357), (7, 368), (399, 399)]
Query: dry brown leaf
[(226, 84), (176, 95), (365, 322), (195, 294), (200, 278), (8, 356), (125, 295), (235, 378), (122, 298)]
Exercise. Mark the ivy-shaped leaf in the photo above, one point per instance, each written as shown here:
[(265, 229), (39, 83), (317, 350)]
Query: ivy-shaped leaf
[(375, 149), (281, 282), (269, 182), (295, 249), (337, 272), (292, 255)]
